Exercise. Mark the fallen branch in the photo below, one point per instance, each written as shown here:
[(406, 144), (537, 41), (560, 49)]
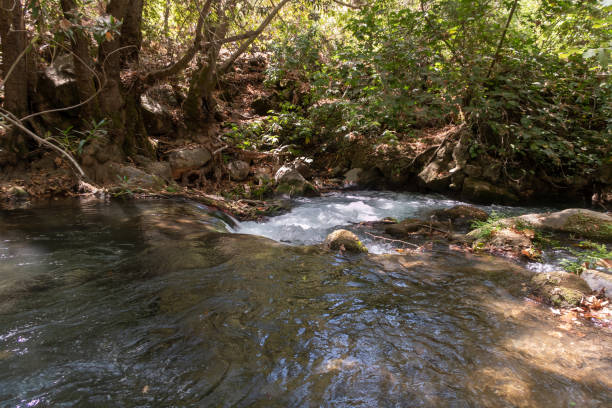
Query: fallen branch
[(392, 240)]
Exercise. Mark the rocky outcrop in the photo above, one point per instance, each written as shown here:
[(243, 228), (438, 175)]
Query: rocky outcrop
[(157, 120), (343, 240), (484, 192), (291, 182), (436, 175), (238, 170), (188, 159), (560, 289)]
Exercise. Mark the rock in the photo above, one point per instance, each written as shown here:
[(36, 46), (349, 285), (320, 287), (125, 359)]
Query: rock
[(586, 223), (344, 240), (159, 169), (302, 165), (57, 83), (460, 215), (436, 177), (472, 171), (238, 170), (598, 280), (404, 228), (295, 189), (492, 172), (263, 175), (133, 177), (486, 193), (509, 239), (561, 289), (364, 178), (188, 159), (292, 183), (157, 119), (17, 191)]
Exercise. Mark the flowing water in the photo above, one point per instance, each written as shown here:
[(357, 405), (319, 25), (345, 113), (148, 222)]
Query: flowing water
[(162, 303)]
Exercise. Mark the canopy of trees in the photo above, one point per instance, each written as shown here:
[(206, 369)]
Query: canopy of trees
[(529, 78)]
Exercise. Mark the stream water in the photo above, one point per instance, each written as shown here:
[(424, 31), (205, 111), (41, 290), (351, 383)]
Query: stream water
[(162, 303)]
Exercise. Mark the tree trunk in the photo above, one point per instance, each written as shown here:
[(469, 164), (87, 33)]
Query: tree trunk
[(83, 63), (14, 68), (131, 34)]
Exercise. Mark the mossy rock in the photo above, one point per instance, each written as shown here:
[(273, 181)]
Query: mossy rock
[(460, 215), (344, 240), (586, 223), (560, 289)]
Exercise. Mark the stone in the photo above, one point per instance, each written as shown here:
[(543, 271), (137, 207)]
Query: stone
[(58, 84), (18, 191), (404, 228), (471, 170), (364, 177), (598, 280), (460, 215), (157, 119), (509, 239), (484, 192), (133, 177), (586, 223), (302, 165), (436, 177), (344, 240), (159, 169), (292, 183), (561, 289), (238, 170), (188, 159), (492, 172)]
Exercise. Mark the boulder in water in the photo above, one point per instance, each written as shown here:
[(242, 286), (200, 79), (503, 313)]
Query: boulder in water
[(344, 240)]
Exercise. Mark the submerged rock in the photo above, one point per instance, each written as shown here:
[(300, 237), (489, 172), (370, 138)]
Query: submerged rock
[(561, 289), (404, 228), (344, 240)]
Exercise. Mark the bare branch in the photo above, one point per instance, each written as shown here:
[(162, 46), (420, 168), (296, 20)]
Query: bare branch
[(9, 117), (182, 63), (228, 63), (353, 6)]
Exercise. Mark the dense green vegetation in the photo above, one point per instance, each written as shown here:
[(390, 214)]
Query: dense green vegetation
[(528, 80)]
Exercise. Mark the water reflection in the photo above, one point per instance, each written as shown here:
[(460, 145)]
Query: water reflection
[(152, 304)]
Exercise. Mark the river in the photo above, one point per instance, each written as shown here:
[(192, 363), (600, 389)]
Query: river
[(163, 303)]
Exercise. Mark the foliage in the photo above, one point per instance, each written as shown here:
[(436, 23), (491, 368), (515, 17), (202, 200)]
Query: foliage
[(589, 257), (488, 227)]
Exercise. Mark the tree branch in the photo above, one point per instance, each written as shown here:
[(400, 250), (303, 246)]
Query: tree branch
[(228, 63), (501, 40), (182, 63), (9, 117)]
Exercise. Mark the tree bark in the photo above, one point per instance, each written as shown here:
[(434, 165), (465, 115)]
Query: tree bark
[(14, 68), (83, 63), (131, 34)]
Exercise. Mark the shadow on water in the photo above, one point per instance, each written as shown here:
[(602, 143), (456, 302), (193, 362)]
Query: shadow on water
[(153, 304)]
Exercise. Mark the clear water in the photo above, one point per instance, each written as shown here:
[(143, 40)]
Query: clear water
[(155, 304)]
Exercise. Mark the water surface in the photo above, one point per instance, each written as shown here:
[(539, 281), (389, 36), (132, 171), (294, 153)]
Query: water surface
[(157, 304)]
